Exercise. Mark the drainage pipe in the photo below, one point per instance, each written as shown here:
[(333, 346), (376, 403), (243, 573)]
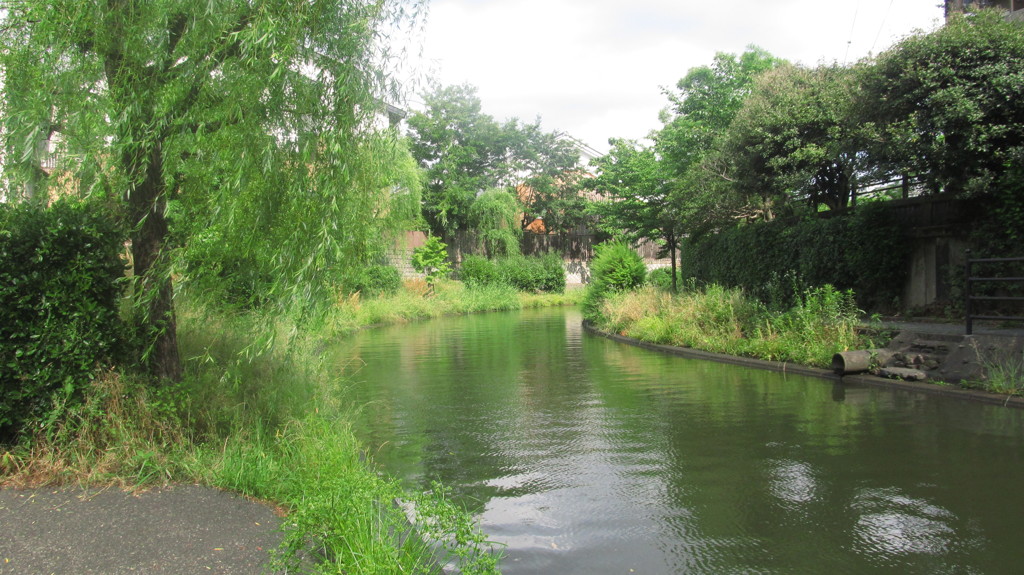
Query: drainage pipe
[(857, 361)]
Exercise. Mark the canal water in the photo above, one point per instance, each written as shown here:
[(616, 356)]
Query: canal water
[(587, 456)]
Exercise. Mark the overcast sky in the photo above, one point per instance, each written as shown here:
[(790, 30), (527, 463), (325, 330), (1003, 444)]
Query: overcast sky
[(595, 68)]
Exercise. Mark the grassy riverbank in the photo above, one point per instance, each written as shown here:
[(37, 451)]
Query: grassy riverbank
[(261, 413), (416, 301), (821, 322)]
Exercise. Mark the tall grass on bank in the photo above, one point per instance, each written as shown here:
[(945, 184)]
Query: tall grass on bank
[(821, 323), (283, 435), (123, 433), (1003, 370), (242, 369), (343, 516)]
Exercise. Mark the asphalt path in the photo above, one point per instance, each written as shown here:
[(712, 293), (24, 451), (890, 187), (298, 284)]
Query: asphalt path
[(179, 530)]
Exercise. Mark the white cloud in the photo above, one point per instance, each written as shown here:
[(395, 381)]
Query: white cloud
[(594, 69)]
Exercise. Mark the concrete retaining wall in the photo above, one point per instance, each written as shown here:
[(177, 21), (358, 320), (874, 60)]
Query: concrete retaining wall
[(824, 374)]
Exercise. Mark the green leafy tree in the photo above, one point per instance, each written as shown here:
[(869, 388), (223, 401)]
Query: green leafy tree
[(708, 97), (432, 259), (463, 151), (495, 216), (700, 111), (796, 137), (552, 186), (639, 201), (466, 152), (946, 105), (559, 201), (254, 111)]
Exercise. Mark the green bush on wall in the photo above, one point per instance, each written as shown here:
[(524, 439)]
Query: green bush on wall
[(866, 251), (60, 286)]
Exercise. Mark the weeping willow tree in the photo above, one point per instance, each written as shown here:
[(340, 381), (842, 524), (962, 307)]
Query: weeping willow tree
[(495, 216), (253, 119)]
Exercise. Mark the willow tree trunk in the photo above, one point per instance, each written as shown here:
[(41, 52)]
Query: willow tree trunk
[(134, 84), (147, 202)]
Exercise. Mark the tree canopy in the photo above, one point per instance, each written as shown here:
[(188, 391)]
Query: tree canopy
[(700, 113), (466, 152), (947, 106), (674, 188), (795, 137), (751, 136), (463, 151), (256, 116), (495, 217)]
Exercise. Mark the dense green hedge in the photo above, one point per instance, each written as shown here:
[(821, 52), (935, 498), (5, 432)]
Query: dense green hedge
[(478, 271), (661, 278), (866, 251), (378, 279), (535, 273), (60, 275)]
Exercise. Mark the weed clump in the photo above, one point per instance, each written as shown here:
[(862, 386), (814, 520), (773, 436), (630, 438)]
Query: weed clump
[(1002, 371)]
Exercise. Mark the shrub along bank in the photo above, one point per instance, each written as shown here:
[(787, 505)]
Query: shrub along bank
[(544, 273), (615, 268), (61, 279)]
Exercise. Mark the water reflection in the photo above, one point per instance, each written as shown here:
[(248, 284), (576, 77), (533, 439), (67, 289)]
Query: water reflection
[(588, 456), (791, 481), (892, 523)]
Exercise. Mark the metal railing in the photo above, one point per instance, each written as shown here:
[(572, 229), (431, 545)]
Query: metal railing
[(969, 289)]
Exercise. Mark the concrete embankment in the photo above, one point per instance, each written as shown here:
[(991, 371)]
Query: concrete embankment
[(943, 357)]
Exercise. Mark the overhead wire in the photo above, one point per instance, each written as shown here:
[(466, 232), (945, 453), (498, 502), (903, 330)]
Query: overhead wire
[(853, 26), (882, 26)]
